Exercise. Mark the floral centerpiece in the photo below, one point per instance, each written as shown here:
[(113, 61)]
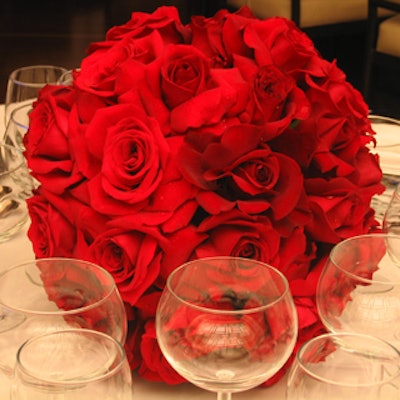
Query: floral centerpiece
[(226, 136)]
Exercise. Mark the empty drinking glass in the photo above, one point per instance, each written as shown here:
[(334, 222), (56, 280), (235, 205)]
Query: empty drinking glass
[(359, 287), (25, 83), (16, 186), (345, 366), (226, 324), (72, 364)]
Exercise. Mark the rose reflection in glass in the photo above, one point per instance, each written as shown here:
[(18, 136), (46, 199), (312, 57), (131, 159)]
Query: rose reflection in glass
[(359, 287), (226, 324)]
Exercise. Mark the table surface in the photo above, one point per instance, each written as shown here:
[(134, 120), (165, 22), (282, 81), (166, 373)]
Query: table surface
[(18, 249)]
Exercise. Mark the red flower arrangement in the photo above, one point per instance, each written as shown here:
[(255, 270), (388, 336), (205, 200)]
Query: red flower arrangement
[(226, 136)]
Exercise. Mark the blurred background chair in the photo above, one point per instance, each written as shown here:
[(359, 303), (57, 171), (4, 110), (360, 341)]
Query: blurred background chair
[(317, 17), (383, 43)]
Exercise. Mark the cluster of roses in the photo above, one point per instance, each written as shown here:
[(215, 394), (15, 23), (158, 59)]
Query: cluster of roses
[(226, 136)]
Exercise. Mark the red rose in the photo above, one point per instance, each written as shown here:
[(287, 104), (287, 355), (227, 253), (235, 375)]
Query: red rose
[(131, 251), (126, 159), (367, 172), (280, 42), (146, 307), (99, 73), (236, 234), (220, 37), (340, 209), (187, 239), (47, 147), (340, 116), (154, 366), (243, 171), (173, 203), (224, 97), (206, 36), (164, 20), (46, 241), (277, 95), (334, 94), (181, 91), (176, 201), (185, 74), (275, 100), (77, 224), (239, 235), (141, 39), (296, 254), (89, 223), (85, 107)]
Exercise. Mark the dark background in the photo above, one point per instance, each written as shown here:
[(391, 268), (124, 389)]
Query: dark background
[(58, 32)]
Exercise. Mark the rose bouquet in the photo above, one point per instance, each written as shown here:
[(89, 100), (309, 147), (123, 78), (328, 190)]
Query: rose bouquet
[(226, 136)]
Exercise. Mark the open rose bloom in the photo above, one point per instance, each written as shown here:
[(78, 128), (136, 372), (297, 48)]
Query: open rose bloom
[(226, 136)]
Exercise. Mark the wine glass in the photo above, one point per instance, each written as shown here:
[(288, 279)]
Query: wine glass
[(51, 294), (226, 324), (16, 185), (391, 218), (17, 126), (72, 364), (339, 366), (25, 83), (359, 287)]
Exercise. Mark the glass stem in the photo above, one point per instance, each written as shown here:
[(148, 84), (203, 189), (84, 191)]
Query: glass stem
[(224, 396)]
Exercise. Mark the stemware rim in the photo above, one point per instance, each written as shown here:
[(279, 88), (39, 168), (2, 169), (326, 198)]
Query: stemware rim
[(383, 118), (358, 237), (13, 73), (80, 331), (285, 291), (328, 335), (112, 288)]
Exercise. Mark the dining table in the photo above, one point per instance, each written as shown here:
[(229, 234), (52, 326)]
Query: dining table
[(18, 249)]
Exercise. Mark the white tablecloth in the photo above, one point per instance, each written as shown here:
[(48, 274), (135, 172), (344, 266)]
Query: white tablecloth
[(19, 249)]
